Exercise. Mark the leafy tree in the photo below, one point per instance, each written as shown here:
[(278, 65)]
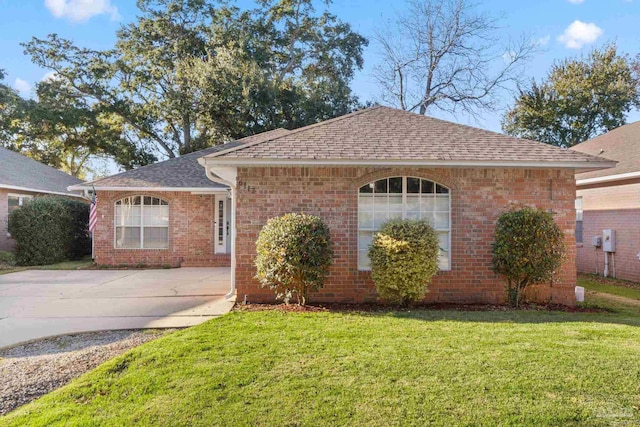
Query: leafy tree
[(62, 130), (12, 108), (579, 99), (529, 249), (443, 54), (191, 73)]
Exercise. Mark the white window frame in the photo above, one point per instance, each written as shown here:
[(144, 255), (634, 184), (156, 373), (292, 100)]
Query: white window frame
[(21, 199), (141, 226), (404, 213)]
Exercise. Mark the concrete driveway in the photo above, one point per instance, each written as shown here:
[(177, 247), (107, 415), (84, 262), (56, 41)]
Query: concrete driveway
[(40, 303)]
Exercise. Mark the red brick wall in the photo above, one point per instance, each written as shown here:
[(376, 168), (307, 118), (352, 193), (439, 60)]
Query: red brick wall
[(478, 196), (190, 233)]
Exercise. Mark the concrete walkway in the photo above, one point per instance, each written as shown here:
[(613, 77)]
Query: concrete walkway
[(40, 303)]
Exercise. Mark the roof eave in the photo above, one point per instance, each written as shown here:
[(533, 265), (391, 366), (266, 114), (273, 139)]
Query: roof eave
[(608, 178), (37, 190), (80, 187), (248, 162)]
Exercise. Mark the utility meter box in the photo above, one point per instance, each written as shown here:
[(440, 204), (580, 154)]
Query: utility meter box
[(609, 240), (596, 241)]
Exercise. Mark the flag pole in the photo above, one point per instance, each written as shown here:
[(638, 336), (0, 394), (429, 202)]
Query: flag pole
[(93, 229)]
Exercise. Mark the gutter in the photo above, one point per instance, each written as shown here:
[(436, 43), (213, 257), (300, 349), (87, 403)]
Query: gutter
[(608, 178), (36, 190), (232, 186), (238, 161)]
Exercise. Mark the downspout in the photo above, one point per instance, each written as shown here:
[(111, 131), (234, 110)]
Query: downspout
[(232, 186)]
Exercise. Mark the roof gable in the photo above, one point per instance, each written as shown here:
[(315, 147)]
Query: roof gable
[(386, 134)]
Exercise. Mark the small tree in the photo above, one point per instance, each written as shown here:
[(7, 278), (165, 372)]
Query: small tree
[(529, 248), (404, 259), (294, 253)]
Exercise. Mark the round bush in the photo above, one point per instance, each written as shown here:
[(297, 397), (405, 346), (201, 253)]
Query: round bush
[(294, 253), (48, 230), (404, 259), (529, 249)]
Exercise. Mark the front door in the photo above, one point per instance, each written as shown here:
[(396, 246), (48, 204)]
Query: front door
[(222, 225)]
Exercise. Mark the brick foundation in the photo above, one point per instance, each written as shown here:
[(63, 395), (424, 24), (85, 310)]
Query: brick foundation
[(191, 233), (478, 196)]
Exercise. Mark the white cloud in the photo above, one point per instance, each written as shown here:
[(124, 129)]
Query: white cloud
[(579, 33), (543, 41), (51, 75), (576, 1), (81, 10), (22, 86)]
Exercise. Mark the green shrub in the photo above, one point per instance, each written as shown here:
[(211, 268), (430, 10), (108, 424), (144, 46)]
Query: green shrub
[(48, 230), (529, 248), (294, 253), (81, 237), (7, 259), (404, 259)]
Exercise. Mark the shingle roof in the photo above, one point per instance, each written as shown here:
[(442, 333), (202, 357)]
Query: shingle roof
[(19, 171), (621, 144), (181, 172), (386, 134)]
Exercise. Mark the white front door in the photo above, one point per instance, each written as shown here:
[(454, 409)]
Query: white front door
[(222, 224)]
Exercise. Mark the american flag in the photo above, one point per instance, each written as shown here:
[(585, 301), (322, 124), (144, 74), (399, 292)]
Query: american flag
[(93, 213)]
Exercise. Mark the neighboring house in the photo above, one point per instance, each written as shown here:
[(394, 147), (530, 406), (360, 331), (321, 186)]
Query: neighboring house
[(355, 171), (21, 179), (610, 199)]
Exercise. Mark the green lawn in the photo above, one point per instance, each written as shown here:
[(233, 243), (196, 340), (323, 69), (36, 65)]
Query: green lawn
[(80, 264), (610, 286), (375, 369)]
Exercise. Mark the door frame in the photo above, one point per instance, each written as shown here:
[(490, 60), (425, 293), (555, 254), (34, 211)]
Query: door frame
[(222, 224)]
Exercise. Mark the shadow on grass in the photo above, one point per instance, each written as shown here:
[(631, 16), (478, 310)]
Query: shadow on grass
[(594, 311)]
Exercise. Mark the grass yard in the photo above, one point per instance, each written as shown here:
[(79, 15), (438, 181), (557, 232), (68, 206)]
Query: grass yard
[(374, 369), (85, 262)]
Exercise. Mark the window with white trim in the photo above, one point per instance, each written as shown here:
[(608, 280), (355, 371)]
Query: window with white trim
[(15, 201), (406, 198), (141, 222)]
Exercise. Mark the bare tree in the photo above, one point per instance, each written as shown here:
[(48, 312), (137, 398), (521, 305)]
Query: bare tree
[(442, 54)]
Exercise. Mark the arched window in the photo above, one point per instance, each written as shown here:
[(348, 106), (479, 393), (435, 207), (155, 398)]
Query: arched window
[(142, 222), (407, 198)]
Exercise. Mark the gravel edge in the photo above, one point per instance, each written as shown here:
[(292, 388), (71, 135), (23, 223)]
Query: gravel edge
[(33, 369)]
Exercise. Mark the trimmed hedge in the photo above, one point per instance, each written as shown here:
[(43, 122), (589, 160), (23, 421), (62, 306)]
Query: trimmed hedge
[(404, 259), (294, 253), (529, 249), (48, 230)]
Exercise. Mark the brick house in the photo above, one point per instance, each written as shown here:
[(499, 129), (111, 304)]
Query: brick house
[(610, 199), (354, 171), (22, 179)]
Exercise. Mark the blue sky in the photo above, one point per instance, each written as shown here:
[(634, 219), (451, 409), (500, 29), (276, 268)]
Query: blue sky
[(564, 27)]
